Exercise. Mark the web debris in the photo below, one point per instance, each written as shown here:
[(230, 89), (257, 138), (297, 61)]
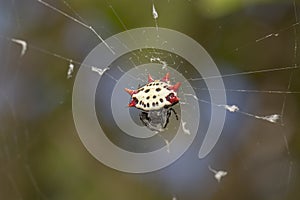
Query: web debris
[(232, 108), (70, 70), (217, 174), (270, 118), (164, 63), (154, 12), (155, 16), (185, 130), (23, 45), (99, 71)]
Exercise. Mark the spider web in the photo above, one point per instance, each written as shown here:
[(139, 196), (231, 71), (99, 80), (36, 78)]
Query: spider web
[(257, 55)]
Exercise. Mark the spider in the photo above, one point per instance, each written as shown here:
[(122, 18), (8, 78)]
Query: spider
[(155, 100)]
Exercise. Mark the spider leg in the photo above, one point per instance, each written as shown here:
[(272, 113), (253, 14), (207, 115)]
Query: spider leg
[(168, 116), (144, 118), (171, 109)]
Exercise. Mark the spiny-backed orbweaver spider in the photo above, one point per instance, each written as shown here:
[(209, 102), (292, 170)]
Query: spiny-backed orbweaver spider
[(155, 100)]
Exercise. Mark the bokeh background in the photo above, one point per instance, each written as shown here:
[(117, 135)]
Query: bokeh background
[(41, 155)]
